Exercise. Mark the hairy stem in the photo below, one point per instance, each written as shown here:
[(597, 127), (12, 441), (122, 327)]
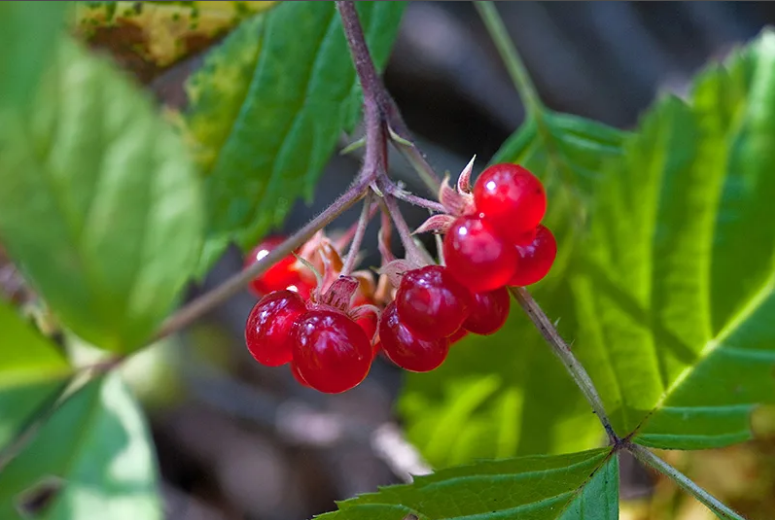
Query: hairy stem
[(414, 253), (418, 201), (561, 349), (648, 458), (510, 56), (233, 285), (360, 231)]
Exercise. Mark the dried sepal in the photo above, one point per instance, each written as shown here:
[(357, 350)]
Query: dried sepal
[(464, 180), (438, 224), (341, 293), (454, 202), (395, 270)]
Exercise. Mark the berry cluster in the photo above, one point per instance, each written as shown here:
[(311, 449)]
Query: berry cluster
[(330, 328), (502, 242)]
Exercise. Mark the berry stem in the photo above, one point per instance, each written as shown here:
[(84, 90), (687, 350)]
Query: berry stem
[(343, 241), (417, 201), (360, 231), (414, 253), (561, 349), (648, 458), (233, 285), (510, 56)]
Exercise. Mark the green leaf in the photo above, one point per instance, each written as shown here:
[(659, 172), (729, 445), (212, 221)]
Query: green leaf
[(100, 203), (267, 108), (507, 394), (28, 34), (566, 487), (32, 373), (677, 293), (96, 450)]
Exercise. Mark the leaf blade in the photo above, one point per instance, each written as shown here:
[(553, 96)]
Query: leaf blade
[(265, 138), (116, 193), (535, 488)]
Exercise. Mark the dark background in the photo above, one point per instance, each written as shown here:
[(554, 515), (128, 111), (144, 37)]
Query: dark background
[(240, 441)]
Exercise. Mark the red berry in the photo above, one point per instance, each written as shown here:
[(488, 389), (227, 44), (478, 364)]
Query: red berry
[(404, 348), (278, 277), (511, 198), (269, 326), (535, 259), (489, 312), (330, 351), (476, 256), (368, 322), (297, 376), (431, 303), (457, 336)]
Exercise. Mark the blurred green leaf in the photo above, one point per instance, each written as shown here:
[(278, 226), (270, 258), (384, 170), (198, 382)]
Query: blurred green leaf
[(100, 205), (32, 373), (97, 452), (28, 35), (267, 108), (507, 394), (565, 487), (677, 295)]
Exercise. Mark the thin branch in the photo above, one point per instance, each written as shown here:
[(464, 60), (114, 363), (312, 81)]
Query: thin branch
[(414, 253), (186, 315), (418, 201), (407, 148), (360, 231), (561, 349), (648, 458), (343, 241), (510, 56)]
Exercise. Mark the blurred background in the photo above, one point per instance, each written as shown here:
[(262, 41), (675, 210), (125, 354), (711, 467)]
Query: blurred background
[(239, 441)]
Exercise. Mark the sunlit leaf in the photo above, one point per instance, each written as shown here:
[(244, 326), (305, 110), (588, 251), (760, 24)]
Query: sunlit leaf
[(100, 204), (677, 296), (93, 458), (32, 373), (566, 487)]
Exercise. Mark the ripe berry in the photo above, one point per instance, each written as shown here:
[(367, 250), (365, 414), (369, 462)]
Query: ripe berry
[(330, 351), (431, 303), (278, 277), (489, 312), (476, 256), (404, 348), (298, 377), (535, 259), (457, 336), (269, 326), (511, 198)]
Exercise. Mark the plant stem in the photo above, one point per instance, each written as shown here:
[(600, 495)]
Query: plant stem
[(648, 458), (360, 231), (561, 349), (233, 285), (418, 201), (414, 253), (410, 151), (510, 56)]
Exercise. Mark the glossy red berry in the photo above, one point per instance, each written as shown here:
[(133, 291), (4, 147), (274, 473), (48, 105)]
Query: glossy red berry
[(536, 258), (269, 326), (457, 336), (402, 346), (297, 376), (511, 198), (330, 351), (488, 312), (278, 277), (431, 303), (476, 256)]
